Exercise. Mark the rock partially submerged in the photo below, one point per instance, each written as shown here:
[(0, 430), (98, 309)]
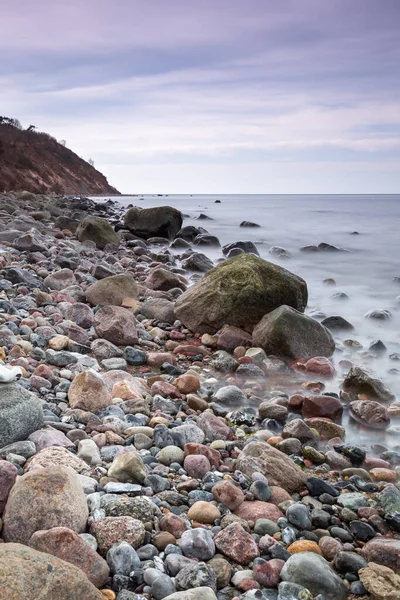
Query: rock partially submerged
[(287, 333), (161, 221), (239, 292), (362, 381)]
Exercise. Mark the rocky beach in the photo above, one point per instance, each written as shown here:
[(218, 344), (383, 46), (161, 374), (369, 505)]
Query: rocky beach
[(174, 418)]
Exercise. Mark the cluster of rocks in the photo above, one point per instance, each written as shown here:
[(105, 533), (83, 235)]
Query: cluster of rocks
[(145, 450)]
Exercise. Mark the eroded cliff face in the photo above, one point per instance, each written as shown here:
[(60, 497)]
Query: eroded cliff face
[(36, 162)]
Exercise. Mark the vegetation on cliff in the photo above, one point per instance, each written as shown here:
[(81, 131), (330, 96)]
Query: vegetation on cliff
[(35, 161)]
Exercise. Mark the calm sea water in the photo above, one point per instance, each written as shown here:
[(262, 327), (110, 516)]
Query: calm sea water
[(365, 273)]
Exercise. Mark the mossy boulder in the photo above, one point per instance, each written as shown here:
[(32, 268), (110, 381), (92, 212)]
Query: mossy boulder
[(97, 230), (289, 334), (112, 290), (159, 221), (239, 292)]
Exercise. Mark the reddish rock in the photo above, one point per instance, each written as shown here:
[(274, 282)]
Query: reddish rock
[(238, 545), (69, 546), (231, 337), (278, 495), (8, 475), (322, 406), (214, 427), (187, 384), (89, 392), (379, 474), (320, 365), (113, 530), (165, 389), (43, 499), (329, 547), (117, 325), (27, 574), (228, 494), (213, 455), (247, 584), (81, 314), (370, 413), (267, 574), (384, 551), (378, 463), (296, 401), (173, 524), (43, 438), (156, 359), (196, 465), (257, 509)]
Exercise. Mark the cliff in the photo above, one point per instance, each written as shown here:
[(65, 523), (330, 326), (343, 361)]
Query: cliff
[(37, 162)]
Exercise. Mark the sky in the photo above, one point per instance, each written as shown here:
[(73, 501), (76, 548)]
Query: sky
[(212, 96)]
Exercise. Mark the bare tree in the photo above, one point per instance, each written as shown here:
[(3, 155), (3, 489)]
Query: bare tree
[(91, 162)]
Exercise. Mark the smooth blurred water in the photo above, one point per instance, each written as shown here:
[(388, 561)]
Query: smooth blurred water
[(365, 273)]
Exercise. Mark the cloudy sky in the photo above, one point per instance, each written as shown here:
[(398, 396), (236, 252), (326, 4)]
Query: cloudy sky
[(212, 96)]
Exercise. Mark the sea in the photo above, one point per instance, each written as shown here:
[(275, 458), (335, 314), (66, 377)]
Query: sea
[(367, 270)]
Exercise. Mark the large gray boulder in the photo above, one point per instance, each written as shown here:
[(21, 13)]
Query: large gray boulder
[(239, 292), (289, 334), (97, 230), (21, 413), (28, 574), (160, 221), (278, 468), (112, 290), (314, 573), (42, 499)]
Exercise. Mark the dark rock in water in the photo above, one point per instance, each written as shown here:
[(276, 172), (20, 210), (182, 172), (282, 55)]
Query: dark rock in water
[(249, 224), (204, 239), (355, 454), (160, 221), (379, 314), (340, 296), (217, 202), (179, 243), (21, 413), (370, 413), (203, 217), (247, 247), (279, 252), (198, 262), (337, 324), (377, 347), (361, 381), (309, 249), (235, 252), (329, 248), (190, 232), (239, 292), (314, 573), (287, 333), (97, 230)]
